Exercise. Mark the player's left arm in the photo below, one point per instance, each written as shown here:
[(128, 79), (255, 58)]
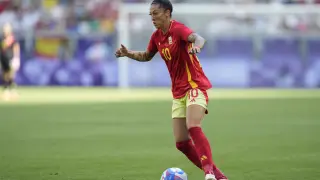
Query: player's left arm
[(198, 42), (190, 36)]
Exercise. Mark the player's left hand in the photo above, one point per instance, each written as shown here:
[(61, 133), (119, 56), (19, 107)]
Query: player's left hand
[(194, 50)]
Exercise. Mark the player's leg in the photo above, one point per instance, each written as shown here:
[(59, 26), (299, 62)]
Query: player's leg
[(8, 76), (12, 85), (14, 67), (9, 68), (183, 141), (196, 109), (3, 70), (180, 131), (5, 67), (6, 82)]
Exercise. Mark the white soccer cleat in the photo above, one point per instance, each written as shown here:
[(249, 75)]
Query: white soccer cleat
[(210, 177)]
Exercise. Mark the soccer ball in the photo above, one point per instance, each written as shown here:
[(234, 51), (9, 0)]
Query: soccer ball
[(174, 174)]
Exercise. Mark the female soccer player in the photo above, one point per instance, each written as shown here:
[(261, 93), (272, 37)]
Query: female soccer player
[(10, 59), (178, 45)]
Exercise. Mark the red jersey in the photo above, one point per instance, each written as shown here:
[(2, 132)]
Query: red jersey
[(185, 70)]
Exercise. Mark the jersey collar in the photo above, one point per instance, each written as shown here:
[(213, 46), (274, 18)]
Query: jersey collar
[(171, 22)]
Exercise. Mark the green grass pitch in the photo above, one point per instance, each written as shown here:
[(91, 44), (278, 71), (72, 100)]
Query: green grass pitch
[(110, 134)]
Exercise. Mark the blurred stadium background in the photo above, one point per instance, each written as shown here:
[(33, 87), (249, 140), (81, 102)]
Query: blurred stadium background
[(262, 57)]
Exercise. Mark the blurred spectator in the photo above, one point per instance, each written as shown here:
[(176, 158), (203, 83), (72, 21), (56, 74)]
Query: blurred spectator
[(99, 51), (85, 17), (77, 18), (65, 49), (3, 5)]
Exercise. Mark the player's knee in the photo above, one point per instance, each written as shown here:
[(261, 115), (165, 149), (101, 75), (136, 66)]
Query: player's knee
[(195, 114), (6, 76), (11, 76), (193, 123)]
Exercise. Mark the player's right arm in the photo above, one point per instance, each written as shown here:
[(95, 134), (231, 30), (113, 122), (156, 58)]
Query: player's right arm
[(142, 56)]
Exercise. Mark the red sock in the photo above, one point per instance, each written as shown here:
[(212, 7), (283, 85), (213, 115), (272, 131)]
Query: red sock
[(188, 149), (203, 149)]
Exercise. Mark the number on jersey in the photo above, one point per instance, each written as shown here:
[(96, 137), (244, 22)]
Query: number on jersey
[(166, 54)]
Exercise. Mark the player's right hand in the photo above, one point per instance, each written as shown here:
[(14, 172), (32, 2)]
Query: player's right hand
[(121, 52)]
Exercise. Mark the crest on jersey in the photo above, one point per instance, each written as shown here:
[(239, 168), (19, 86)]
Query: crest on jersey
[(170, 40)]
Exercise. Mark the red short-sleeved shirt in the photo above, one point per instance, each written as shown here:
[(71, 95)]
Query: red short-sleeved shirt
[(185, 69)]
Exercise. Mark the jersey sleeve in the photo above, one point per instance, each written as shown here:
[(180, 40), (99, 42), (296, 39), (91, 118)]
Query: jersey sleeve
[(184, 32), (152, 47)]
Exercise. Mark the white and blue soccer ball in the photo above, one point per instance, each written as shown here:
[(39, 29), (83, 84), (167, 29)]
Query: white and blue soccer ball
[(174, 174)]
